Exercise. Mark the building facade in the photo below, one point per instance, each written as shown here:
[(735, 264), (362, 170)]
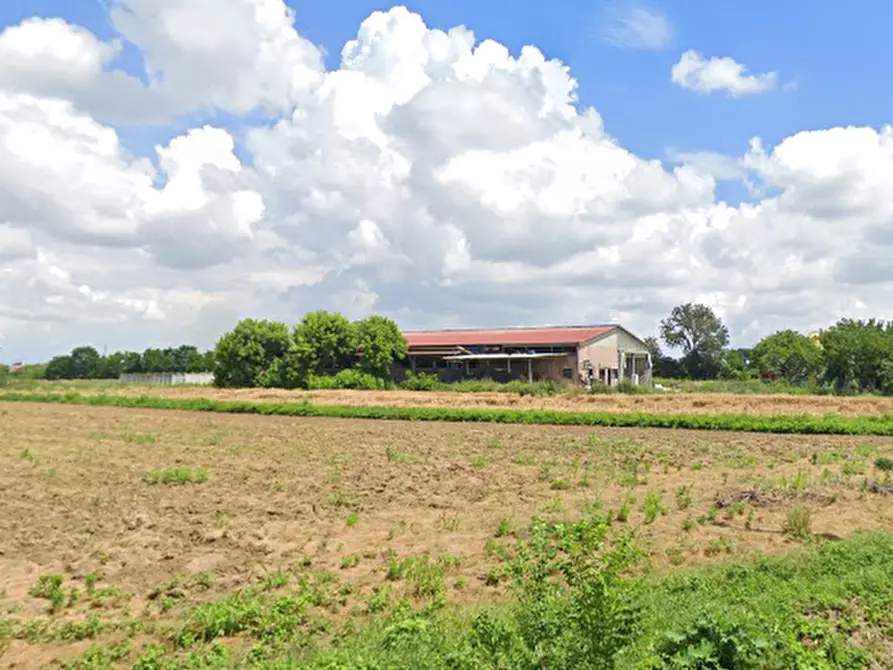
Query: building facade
[(605, 354)]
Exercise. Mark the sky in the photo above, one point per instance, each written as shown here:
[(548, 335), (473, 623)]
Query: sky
[(168, 167)]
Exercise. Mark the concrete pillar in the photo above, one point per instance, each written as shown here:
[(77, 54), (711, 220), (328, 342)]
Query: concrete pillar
[(529, 370)]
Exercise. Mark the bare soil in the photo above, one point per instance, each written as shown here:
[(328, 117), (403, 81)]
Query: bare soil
[(346, 497), (669, 403)]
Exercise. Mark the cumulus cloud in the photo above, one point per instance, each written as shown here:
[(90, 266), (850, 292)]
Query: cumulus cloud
[(708, 75), (432, 176), (634, 25)]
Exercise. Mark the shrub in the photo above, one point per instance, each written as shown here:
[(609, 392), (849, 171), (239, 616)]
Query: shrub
[(422, 382), (347, 379), (798, 523), (884, 464)]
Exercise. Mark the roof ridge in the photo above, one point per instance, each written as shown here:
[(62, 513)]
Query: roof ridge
[(465, 329)]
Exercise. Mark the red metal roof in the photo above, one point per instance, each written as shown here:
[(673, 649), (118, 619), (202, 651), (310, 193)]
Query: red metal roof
[(543, 336)]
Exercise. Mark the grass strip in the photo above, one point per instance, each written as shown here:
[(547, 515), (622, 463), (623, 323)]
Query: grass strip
[(783, 424)]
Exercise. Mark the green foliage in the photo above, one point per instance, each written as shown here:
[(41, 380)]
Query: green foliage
[(859, 355), (884, 464), (330, 339), (348, 379), (380, 344), (701, 336), (176, 476), (780, 424), (247, 356), (796, 357)]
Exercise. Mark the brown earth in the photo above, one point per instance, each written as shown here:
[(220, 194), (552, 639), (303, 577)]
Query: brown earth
[(669, 403), (310, 496)]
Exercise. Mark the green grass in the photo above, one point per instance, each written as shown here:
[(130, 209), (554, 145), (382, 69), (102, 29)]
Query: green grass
[(823, 607), (802, 424), (176, 476)]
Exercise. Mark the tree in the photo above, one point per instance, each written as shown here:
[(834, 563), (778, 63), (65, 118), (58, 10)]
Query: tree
[(330, 340), (158, 360), (186, 358), (380, 343), (247, 356), (133, 362), (700, 334), (792, 355), (856, 354), (85, 363), (737, 364), (59, 367), (662, 365)]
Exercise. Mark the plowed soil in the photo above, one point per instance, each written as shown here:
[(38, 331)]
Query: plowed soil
[(347, 497)]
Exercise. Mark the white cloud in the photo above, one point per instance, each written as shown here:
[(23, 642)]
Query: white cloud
[(431, 176), (708, 75), (237, 55), (629, 24)]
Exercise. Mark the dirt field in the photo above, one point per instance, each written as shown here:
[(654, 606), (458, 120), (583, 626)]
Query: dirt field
[(353, 505), (670, 403)]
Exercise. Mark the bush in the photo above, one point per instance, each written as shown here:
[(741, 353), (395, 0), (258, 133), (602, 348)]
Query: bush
[(422, 382), (347, 379)]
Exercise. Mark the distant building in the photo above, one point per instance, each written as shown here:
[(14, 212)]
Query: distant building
[(607, 354)]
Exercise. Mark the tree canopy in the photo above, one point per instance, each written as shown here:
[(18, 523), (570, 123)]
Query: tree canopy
[(700, 334), (793, 356)]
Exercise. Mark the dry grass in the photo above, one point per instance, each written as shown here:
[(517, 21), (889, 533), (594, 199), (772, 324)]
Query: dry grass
[(670, 403), (285, 495)]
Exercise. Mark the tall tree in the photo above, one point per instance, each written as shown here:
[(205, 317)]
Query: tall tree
[(329, 338), (700, 334), (857, 354), (59, 367), (247, 356), (85, 363), (380, 343), (792, 355)]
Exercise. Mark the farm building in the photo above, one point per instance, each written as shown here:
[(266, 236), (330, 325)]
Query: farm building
[(608, 354)]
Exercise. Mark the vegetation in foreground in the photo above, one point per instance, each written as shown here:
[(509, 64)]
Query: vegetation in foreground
[(781, 424), (351, 544), (572, 606)]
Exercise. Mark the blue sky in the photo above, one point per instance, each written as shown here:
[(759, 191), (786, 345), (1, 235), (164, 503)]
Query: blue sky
[(798, 261), (837, 58)]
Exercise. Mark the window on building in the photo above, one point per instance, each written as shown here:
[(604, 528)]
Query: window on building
[(567, 373)]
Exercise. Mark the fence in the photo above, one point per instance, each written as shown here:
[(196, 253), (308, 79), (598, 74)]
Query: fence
[(167, 378)]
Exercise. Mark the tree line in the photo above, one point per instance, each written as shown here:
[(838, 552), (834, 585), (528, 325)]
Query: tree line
[(88, 363), (851, 356), (270, 354)]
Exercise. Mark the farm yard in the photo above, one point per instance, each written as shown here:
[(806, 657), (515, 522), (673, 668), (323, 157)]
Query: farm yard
[(169, 539)]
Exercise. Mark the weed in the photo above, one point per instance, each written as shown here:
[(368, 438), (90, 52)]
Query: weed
[(687, 525), (378, 600), (653, 507), (90, 583), (395, 456), (27, 455), (625, 509), (275, 580), (506, 527), (683, 497), (176, 476), (349, 561), (560, 485), (448, 523), (798, 523), (49, 587), (352, 519), (478, 461), (523, 459), (884, 464), (139, 438), (748, 523)]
